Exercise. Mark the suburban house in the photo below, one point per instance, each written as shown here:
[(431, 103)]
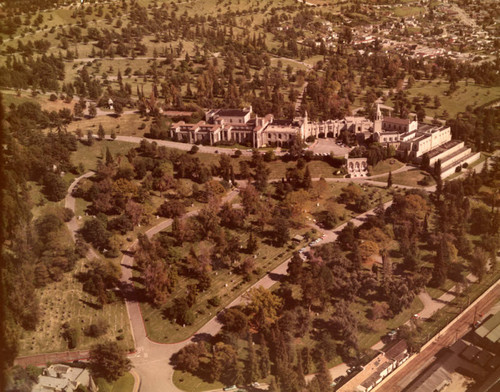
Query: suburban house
[(63, 378)]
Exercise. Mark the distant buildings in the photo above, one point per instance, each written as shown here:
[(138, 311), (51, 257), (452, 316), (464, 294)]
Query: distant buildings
[(62, 378)]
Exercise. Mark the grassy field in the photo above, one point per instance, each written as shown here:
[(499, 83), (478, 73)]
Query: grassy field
[(227, 285), (188, 382), (88, 155), (385, 166), (410, 178), (371, 332), (443, 317), (124, 384), (65, 301), (125, 125), (471, 94), (224, 284), (403, 12)]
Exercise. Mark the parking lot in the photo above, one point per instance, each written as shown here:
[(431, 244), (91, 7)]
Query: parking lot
[(325, 146)]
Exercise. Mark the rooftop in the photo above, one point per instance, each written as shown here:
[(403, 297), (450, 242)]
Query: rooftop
[(232, 112), (489, 325), (395, 350)]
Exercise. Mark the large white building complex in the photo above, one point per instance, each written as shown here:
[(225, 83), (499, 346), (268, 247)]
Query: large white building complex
[(408, 137), (241, 126)]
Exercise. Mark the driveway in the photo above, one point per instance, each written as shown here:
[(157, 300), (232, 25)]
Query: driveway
[(326, 146)]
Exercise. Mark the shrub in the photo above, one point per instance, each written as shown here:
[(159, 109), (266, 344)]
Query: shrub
[(458, 169), (98, 329), (465, 165), (214, 301), (194, 149), (53, 98), (238, 153)]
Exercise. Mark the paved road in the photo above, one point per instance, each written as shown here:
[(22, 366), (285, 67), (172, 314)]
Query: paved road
[(151, 359), (462, 324)]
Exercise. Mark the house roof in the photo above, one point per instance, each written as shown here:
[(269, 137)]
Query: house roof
[(489, 325), (394, 351)]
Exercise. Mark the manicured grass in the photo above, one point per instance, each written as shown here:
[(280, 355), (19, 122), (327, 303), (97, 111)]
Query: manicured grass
[(411, 178), (65, 301), (436, 292), (444, 316), (125, 125), (481, 159), (471, 94), (385, 166), (124, 384), (407, 11), (224, 284), (88, 155), (191, 383), (370, 332)]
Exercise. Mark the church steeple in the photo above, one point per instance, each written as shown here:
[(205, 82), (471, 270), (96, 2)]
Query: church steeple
[(379, 113)]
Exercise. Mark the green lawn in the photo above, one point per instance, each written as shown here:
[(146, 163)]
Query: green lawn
[(124, 384), (88, 155), (191, 383), (411, 177), (371, 331), (385, 166), (65, 301), (407, 11), (471, 94), (125, 125), (436, 292), (160, 329)]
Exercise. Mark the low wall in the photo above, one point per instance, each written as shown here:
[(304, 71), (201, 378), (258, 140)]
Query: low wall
[(446, 153), (448, 172)]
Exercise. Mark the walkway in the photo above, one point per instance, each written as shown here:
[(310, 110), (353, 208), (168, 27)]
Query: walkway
[(152, 360)]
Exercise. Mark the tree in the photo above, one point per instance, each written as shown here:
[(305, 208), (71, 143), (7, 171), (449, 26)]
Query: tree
[(281, 231), (100, 132), (54, 187), (92, 110), (478, 262), (252, 243), (158, 282), (263, 307), (346, 238), (90, 138), (249, 199), (118, 108), (252, 364), (188, 358), (109, 361), (389, 180)]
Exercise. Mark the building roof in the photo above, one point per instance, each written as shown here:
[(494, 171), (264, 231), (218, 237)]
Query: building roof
[(394, 351), (470, 352), (434, 382), (489, 325), (484, 357), (458, 346), (494, 336), (232, 112)]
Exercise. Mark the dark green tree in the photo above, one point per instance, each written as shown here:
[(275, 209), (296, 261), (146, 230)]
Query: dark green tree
[(109, 361)]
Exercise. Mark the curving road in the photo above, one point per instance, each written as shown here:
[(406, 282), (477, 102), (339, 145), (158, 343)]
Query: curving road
[(152, 360)]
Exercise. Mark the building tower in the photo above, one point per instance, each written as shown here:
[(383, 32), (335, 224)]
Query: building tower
[(377, 124)]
